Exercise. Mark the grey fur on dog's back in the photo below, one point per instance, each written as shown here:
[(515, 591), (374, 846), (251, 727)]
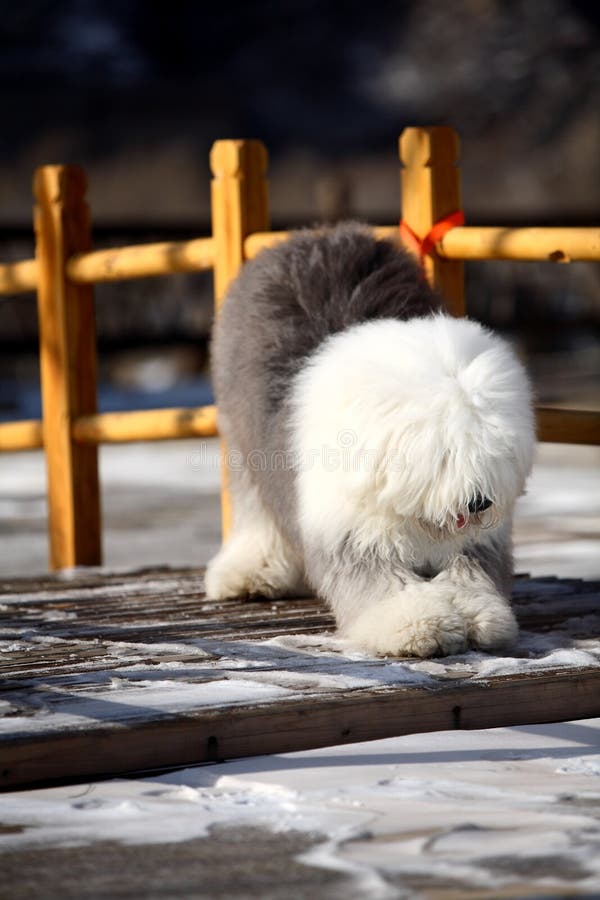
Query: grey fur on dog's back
[(278, 311)]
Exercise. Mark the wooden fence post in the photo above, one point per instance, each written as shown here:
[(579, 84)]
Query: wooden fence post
[(67, 367), (240, 207), (430, 191)]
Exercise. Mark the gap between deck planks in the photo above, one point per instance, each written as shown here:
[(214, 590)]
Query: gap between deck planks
[(65, 637)]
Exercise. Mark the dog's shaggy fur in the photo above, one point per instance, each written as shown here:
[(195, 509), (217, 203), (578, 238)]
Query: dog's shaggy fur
[(376, 446)]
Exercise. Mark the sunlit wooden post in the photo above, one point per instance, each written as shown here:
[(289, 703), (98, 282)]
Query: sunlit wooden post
[(67, 367), (430, 191), (240, 206)]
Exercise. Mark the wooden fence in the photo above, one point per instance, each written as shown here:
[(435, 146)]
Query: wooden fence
[(66, 268)]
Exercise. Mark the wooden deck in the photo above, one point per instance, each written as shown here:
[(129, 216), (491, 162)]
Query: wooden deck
[(105, 674)]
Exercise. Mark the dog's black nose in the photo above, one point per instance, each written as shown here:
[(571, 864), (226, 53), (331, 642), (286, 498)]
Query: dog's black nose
[(479, 504)]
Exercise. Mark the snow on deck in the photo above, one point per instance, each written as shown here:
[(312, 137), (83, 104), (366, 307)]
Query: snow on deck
[(165, 676)]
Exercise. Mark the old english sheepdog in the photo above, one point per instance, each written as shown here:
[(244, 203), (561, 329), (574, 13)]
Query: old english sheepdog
[(376, 446)]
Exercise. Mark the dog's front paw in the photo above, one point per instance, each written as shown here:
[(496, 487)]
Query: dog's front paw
[(489, 619), (408, 625)]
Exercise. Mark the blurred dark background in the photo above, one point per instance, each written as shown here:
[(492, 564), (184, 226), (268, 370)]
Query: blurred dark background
[(137, 92)]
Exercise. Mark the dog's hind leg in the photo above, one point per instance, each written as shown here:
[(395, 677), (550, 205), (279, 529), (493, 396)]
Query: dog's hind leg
[(256, 559)]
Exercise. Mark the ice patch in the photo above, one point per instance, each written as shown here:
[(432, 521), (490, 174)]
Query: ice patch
[(142, 701), (580, 766), (555, 659)]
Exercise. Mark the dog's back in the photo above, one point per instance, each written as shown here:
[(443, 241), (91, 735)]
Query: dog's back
[(291, 297)]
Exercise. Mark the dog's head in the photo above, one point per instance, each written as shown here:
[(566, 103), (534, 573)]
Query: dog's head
[(460, 446), (431, 422)]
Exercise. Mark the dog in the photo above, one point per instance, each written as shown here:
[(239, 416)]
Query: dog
[(376, 446)]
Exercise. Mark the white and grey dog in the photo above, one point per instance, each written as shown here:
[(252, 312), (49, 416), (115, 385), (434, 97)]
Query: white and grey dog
[(376, 446)]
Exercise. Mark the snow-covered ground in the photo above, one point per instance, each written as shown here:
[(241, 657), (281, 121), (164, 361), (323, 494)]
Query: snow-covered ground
[(557, 526), (502, 812), (161, 506)]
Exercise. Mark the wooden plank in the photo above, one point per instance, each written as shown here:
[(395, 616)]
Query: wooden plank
[(141, 261), (66, 641), (239, 206), (231, 732), (430, 191), (88, 619), (67, 367), (146, 425)]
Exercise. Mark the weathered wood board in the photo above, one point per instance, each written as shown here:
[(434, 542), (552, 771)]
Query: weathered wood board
[(107, 673)]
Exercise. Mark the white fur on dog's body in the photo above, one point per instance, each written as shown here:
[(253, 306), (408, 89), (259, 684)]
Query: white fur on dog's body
[(394, 426), (416, 411)]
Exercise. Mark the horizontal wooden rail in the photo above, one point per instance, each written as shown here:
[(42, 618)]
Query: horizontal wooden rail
[(553, 425), (568, 426), (141, 261), (121, 427), (149, 260), (117, 264), (18, 277), (544, 244), (146, 425), (474, 242), (26, 434), (261, 239)]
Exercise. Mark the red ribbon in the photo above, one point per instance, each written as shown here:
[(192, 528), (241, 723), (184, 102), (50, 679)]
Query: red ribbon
[(422, 247)]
